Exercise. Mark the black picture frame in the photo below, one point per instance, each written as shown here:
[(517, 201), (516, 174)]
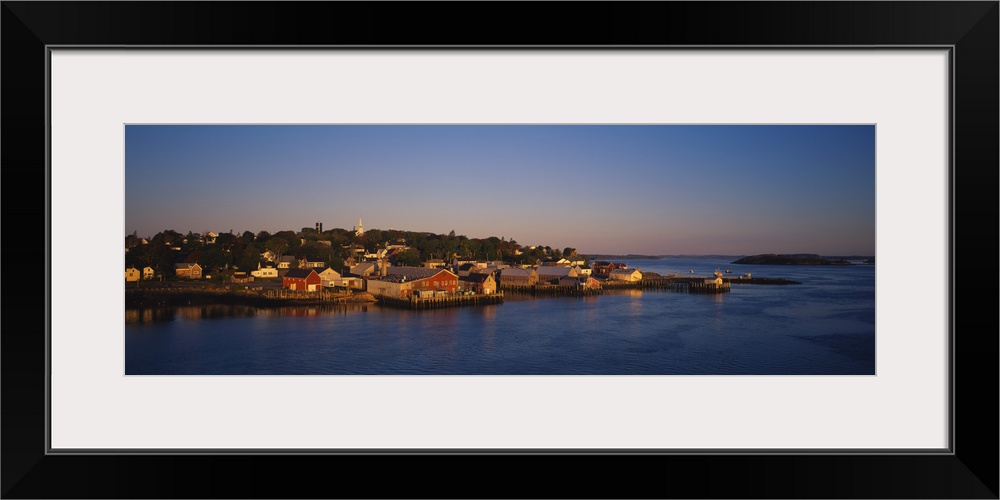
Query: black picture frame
[(969, 28)]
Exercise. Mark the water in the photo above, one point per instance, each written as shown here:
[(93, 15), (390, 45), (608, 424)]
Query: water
[(824, 326)]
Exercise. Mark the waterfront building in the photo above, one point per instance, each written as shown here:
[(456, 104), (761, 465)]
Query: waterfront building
[(301, 279), (365, 269), (187, 270), (328, 277), (630, 275), (264, 272), (131, 274), (406, 281), (465, 269), (604, 268), (548, 273), (241, 277), (487, 270), (478, 283), (518, 277)]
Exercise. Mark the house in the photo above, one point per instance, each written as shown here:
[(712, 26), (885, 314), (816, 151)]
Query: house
[(308, 264), (301, 279), (328, 278), (131, 274), (187, 270), (264, 272), (518, 277), (604, 268), (241, 277), (365, 269), (434, 264), (287, 262), (585, 271), (629, 275), (350, 282), (478, 283), (148, 273), (405, 281), (487, 270), (465, 269), (389, 286)]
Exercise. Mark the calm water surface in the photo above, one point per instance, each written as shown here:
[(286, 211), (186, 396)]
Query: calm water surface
[(824, 326)]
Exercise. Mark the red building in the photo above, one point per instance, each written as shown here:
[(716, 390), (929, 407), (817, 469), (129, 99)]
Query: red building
[(302, 279), (413, 279)]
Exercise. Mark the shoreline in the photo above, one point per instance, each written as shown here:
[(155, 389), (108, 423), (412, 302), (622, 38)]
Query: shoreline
[(181, 294)]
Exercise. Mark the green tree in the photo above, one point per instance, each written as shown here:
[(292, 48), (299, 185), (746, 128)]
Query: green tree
[(431, 248), (336, 263), (225, 240), (408, 257), (214, 257), (132, 241), (250, 258), (373, 238), (277, 246), (291, 238)]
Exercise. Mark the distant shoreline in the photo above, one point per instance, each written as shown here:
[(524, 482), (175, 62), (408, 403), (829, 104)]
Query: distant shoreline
[(794, 260), (594, 257)]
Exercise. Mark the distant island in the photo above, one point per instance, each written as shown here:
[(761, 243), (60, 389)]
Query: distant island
[(792, 260)]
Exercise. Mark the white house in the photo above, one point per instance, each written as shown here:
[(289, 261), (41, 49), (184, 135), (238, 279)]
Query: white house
[(329, 277), (264, 272)]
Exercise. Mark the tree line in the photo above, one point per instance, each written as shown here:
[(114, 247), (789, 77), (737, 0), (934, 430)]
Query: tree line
[(246, 251)]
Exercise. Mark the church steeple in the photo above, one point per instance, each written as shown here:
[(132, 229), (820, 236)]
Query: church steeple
[(361, 229)]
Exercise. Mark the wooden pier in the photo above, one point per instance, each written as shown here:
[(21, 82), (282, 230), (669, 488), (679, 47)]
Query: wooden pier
[(441, 302), (695, 287)]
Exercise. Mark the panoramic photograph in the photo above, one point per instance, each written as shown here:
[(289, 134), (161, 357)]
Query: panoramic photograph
[(500, 249)]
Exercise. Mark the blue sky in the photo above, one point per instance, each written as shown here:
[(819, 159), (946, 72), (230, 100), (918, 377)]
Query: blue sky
[(648, 189)]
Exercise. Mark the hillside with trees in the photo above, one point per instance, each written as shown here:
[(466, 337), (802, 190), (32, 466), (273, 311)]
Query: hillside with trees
[(247, 250)]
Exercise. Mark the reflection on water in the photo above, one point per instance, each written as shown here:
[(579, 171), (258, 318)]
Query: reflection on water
[(224, 311)]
